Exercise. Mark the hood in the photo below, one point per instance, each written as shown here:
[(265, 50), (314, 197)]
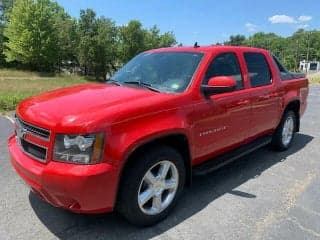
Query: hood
[(79, 108)]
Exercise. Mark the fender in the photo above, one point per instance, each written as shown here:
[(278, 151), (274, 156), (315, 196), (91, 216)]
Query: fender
[(128, 136), (153, 136), (292, 95)]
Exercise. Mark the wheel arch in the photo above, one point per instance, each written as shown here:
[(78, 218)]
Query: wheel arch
[(294, 105), (178, 141)]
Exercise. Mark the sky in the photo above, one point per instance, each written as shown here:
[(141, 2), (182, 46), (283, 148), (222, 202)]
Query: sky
[(204, 21)]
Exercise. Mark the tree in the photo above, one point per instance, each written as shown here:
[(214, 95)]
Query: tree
[(314, 44), (105, 47), (87, 30), (5, 7), (42, 36), (167, 40), (67, 36), (135, 39), (97, 51), (2, 41), (132, 40), (236, 40), (154, 39), (302, 45), (32, 37)]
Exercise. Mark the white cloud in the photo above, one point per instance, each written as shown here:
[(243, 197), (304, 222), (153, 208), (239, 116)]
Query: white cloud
[(251, 27), (304, 18), (281, 19), (290, 20)]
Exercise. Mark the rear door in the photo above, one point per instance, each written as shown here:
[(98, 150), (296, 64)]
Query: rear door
[(264, 98)]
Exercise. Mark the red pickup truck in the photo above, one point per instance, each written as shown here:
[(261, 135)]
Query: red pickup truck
[(134, 142)]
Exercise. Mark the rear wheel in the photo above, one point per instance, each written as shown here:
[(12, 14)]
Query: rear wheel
[(283, 136), (151, 186)]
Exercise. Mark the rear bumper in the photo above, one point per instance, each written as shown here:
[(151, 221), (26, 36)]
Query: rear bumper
[(78, 188)]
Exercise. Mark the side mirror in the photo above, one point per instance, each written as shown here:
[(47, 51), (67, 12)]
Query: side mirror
[(219, 84)]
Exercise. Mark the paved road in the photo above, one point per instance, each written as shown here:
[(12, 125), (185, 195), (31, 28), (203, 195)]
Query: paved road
[(265, 195)]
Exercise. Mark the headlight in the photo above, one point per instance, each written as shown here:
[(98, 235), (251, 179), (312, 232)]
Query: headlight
[(79, 149)]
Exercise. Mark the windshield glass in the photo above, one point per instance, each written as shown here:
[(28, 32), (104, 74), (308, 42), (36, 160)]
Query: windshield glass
[(164, 71)]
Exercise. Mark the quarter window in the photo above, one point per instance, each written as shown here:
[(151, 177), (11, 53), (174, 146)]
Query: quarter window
[(225, 64), (284, 74), (279, 65), (258, 68)]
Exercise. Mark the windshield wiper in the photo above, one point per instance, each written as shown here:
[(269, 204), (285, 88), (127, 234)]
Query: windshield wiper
[(114, 82), (143, 84)]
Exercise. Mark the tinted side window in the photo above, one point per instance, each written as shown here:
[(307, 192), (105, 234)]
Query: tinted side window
[(225, 64), (284, 74), (258, 69), (279, 65)]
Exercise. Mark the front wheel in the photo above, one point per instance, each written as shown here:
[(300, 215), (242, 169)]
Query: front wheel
[(284, 134), (151, 186)]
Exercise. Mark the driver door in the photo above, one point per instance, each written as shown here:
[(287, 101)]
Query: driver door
[(222, 120)]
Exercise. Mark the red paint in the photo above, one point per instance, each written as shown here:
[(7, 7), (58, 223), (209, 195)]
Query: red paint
[(130, 117)]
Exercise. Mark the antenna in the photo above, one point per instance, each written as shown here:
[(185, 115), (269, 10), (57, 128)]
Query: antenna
[(196, 45)]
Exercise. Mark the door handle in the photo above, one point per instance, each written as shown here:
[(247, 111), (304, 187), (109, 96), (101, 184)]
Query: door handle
[(242, 102), (264, 97), (274, 94)]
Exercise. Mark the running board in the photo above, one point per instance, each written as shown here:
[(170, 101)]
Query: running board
[(226, 158)]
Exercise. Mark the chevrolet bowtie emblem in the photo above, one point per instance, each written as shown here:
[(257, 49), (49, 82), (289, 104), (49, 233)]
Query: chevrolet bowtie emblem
[(21, 132)]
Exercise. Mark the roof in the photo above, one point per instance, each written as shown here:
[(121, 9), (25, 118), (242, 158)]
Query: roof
[(204, 48)]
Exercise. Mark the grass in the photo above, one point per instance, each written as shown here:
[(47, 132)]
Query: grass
[(16, 85), (315, 79)]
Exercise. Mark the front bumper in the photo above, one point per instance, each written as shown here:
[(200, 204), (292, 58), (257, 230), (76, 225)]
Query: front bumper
[(78, 188)]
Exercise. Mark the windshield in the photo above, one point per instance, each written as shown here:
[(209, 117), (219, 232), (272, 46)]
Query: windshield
[(163, 71)]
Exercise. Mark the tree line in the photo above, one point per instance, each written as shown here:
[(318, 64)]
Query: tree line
[(301, 45), (39, 35)]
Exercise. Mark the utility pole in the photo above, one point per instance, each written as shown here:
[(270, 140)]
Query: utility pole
[(308, 49)]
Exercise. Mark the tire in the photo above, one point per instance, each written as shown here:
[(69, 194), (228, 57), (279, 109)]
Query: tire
[(284, 134), (143, 176)]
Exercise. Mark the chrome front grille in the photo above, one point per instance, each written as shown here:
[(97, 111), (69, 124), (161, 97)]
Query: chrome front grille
[(31, 147), (37, 152), (37, 131)]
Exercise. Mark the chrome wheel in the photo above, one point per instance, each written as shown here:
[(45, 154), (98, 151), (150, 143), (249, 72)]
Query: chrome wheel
[(287, 131), (158, 187)]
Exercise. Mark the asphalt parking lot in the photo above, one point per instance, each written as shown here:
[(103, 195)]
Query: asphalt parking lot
[(264, 195)]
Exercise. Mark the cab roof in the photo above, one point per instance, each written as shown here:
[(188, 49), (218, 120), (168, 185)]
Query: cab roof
[(206, 49)]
